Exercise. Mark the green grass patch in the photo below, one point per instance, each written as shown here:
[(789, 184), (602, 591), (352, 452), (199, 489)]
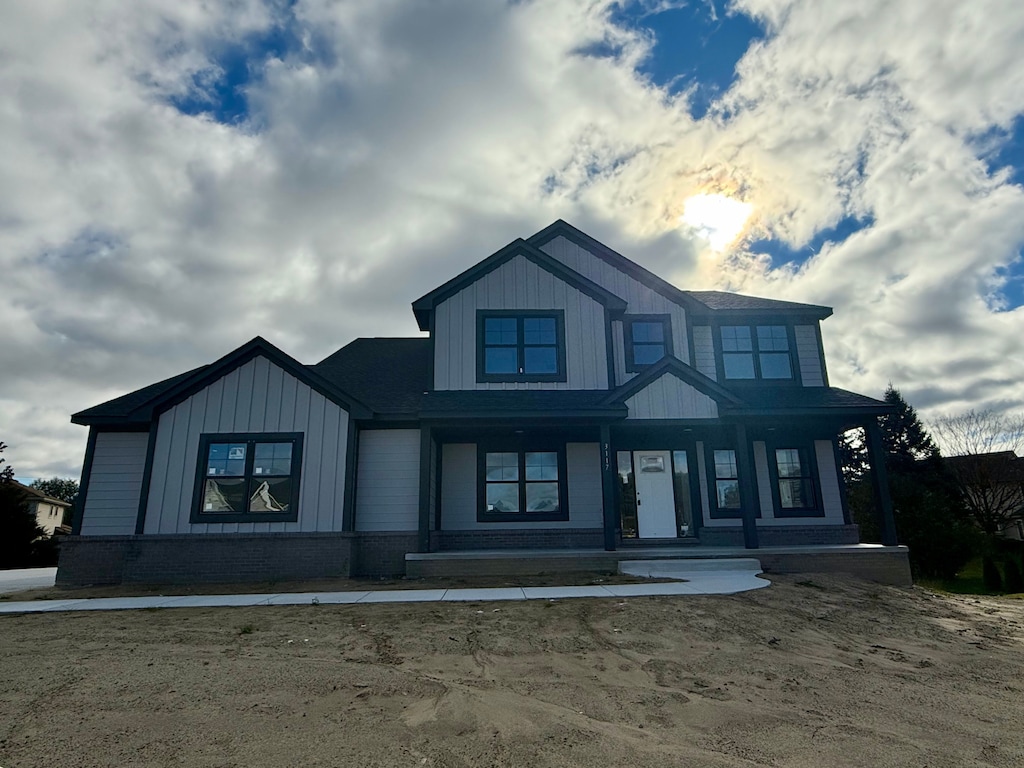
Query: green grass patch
[(968, 581)]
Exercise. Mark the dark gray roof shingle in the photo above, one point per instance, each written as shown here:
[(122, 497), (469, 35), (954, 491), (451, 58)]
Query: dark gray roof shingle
[(722, 300), (388, 375)]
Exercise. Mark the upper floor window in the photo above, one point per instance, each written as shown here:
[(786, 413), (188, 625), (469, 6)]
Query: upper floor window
[(521, 346), (248, 478), (756, 352), (648, 340)]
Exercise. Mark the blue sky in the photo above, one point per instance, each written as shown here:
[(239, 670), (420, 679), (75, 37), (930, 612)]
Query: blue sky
[(180, 177)]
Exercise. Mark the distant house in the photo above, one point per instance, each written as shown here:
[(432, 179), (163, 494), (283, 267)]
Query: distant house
[(49, 512), (562, 397), (993, 486)]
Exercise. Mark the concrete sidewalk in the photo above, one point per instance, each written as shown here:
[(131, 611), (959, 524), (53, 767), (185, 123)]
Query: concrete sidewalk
[(717, 579), (19, 579), (721, 579)]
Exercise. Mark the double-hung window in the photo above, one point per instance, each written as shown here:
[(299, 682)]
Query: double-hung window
[(521, 346), (648, 340), (727, 482), (522, 485), (247, 478), (794, 476), (756, 352)]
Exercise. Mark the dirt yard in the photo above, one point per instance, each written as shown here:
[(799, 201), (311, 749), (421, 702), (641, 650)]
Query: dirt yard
[(813, 671)]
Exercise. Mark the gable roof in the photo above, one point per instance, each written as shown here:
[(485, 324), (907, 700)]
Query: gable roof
[(389, 375), (424, 306), (672, 366), (38, 495), (697, 302), (723, 301), (141, 406)]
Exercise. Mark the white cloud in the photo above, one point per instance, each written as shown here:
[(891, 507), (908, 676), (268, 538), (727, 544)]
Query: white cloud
[(398, 144)]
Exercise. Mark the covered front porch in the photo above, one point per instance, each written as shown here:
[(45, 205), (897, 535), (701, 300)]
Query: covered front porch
[(612, 484)]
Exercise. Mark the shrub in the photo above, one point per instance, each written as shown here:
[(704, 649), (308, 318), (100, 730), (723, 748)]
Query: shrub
[(990, 574), (1014, 579)]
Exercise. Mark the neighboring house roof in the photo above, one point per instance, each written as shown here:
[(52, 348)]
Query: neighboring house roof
[(424, 305), (38, 496), (999, 466), (389, 375), (722, 301), (698, 302)]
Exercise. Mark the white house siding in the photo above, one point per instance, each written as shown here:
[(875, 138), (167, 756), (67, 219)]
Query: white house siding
[(641, 299), (828, 474), (521, 285), (704, 351), (808, 355), (112, 498), (669, 398), (388, 480), (702, 481), (257, 397), (459, 493)]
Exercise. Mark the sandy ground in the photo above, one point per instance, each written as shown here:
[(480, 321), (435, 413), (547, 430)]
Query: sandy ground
[(814, 671)]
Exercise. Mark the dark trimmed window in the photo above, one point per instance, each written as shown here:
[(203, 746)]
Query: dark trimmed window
[(521, 346), (648, 339), (794, 482), (756, 352), (522, 485), (727, 480), (247, 477)]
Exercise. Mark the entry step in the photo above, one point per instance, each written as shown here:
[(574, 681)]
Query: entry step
[(654, 568)]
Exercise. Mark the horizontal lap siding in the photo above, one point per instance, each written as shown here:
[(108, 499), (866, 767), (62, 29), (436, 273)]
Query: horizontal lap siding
[(459, 491), (112, 498), (669, 398), (257, 397), (808, 355), (641, 299), (388, 482), (519, 284)]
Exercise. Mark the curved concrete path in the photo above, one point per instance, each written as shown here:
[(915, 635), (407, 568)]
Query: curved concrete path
[(722, 577)]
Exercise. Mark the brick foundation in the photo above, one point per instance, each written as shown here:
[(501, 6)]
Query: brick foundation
[(383, 554), (560, 538), (783, 536)]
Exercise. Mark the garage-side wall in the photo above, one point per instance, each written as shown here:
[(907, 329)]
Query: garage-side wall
[(388, 480), (256, 397), (112, 498)]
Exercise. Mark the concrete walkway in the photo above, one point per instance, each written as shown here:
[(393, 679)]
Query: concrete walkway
[(19, 579), (707, 578)]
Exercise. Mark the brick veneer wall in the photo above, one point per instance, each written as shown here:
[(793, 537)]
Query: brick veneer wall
[(564, 538), (383, 554), (783, 536), (210, 558)]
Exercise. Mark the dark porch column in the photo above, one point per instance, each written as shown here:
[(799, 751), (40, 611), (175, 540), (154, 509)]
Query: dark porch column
[(880, 481), (426, 468), (608, 488), (748, 488)]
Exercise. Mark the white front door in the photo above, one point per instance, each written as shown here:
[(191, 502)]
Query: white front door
[(655, 503)]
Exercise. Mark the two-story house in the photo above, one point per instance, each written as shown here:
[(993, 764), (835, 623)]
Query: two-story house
[(562, 397)]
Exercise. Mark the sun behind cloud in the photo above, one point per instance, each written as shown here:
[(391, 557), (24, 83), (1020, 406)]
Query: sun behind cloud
[(717, 218)]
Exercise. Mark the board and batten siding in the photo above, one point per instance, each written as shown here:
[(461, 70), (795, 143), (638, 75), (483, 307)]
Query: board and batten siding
[(112, 499), (704, 351), (669, 398), (459, 492), (388, 480), (519, 284), (809, 356), (256, 397), (641, 299)]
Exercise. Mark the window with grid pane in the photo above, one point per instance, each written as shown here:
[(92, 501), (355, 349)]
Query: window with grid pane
[(648, 340), (246, 477), (796, 482), (727, 484), (522, 485), (521, 346), (756, 352)]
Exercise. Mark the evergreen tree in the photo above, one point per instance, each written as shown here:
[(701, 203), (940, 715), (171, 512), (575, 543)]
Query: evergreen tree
[(925, 507), (19, 532)]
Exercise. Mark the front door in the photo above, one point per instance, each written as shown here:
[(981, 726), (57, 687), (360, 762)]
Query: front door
[(655, 501)]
